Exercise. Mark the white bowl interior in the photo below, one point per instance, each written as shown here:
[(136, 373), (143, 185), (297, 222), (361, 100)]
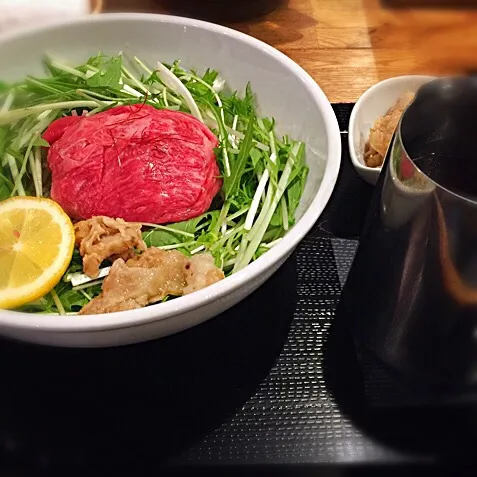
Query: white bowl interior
[(284, 91), (374, 103)]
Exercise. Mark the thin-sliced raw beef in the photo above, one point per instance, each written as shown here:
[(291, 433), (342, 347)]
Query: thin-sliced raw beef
[(134, 162)]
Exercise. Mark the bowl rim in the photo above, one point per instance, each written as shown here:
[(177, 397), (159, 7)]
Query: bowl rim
[(202, 298), (352, 120)]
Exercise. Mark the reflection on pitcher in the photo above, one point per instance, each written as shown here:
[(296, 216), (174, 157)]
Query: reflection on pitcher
[(405, 188), (412, 290)]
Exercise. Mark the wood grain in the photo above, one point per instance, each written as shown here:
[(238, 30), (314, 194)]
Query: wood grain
[(348, 45)]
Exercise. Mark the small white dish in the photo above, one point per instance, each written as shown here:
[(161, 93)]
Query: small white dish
[(374, 103)]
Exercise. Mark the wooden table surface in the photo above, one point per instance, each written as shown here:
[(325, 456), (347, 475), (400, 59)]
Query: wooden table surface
[(348, 45)]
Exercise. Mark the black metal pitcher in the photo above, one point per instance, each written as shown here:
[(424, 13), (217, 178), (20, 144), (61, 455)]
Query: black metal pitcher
[(411, 294)]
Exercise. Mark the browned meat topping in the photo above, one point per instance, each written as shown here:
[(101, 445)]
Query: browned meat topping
[(200, 272), (102, 238), (151, 276)]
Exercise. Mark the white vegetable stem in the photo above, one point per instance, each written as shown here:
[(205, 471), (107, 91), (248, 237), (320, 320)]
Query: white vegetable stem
[(8, 102), (261, 187), (88, 285), (174, 83), (132, 91), (38, 172), (240, 135), (59, 305), (38, 191), (217, 97), (167, 228), (219, 84), (232, 138), (134, 80), (14, 170), (78, 279), (283, 204), (269, 211), (17, 114), (143, 66), (256, 200), (197, 250), (232, 217), (68, 69), (27, 136), (222, 116)]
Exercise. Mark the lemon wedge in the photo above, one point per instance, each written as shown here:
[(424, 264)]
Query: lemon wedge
[(36, 245)]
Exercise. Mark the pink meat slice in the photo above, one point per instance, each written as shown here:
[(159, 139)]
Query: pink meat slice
[(135, 162)]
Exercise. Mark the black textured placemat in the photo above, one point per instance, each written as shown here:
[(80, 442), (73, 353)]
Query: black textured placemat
[(273, 382)]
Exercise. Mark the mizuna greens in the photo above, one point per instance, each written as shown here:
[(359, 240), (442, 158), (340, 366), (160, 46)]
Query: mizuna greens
[(263, 175)]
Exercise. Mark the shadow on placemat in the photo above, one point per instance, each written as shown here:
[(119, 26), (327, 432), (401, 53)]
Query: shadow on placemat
[(137, 406), (410, 418), (345, 214)]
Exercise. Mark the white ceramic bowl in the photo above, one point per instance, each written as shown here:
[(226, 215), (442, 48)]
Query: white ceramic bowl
[(370, 106), (284, 91)]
